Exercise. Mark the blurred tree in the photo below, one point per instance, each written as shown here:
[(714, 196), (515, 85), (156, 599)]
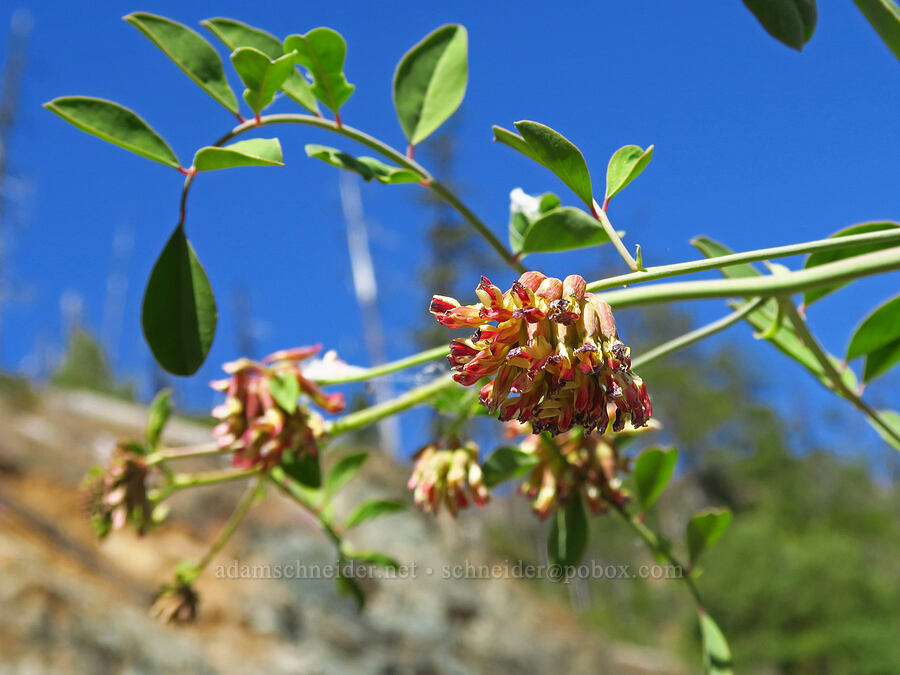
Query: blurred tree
[(85, 366)]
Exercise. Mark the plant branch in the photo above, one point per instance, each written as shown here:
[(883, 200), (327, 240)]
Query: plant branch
[(390, 153), (367, 416), (186, 452), (840, 387), (181, 481), (600, 214), (701, 333), (237, 516), (652, 539), (831, 244), (387, 368), (783, 284), (281, 481)]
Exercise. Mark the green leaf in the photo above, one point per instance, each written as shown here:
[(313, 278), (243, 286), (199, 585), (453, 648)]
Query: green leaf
[(563, 229), (285, 389), (716, 654), (304, 469), (342, 471), (322, 51), (892, 419), (878, 339), (884, 15), (375, 558), (179, 311), (789, 21), (367, 167), (157, 416), (261, 75), (524, 209), (625, 165), (190, 52), (652, 471), (785, 338), (506, 463), (235, 34), (373, 509), (568, 536), (113, 123), (255, 152), (704, 530), (430, 81), (825, 257), (553, 151)]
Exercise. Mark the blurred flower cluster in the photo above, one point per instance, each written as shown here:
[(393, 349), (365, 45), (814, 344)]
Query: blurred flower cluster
[(262, 416), (117, 494), (447, 473), (553, 351)]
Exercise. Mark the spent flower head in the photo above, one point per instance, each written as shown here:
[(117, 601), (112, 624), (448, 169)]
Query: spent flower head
[(447, 472), (262, 416), (553, 353)]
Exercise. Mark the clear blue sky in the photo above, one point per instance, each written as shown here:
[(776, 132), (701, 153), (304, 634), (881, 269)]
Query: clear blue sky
[(756, 145)]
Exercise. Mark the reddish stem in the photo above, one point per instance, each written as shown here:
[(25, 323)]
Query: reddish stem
[(410, 150), (258, 119), (605, 204), (337, 120)]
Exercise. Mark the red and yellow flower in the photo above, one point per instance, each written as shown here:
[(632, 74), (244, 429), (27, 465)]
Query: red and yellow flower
[(448, 474)]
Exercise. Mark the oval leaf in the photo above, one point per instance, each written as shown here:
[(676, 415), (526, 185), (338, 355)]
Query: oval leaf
[(652, 471), (506, 463), (789, 21), (255, 152), (261, 75), (179, 311), (343, 470), (113, 123), (158, 415), (304, 469), (367, 167), (553, 151), (524, 209), (704, 530), (235, 34), (322, 51), (825, 257), (568, 536), (190, 52), (285, 389), (884, 15), (891, 418), (563, 229), (430, 81), (878, 339), (625, 165), (716, 654), (373, 509)]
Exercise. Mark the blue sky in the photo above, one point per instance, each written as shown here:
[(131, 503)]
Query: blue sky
[(756, 145)]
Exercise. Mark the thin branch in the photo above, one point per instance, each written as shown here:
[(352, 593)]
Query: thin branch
[(237, 516), (386, 368), (600, 214)]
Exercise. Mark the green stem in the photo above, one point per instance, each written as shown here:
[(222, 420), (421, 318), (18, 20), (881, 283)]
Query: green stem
[(831, 244), (186, 452), (696, 335), (840, 387), (367, 416), (281, 481), (237, 516), (387, 368), (392, 154), (181, 481), (783, 284), (600, 215), (655, 545)]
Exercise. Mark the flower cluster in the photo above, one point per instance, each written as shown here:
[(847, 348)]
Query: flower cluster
[(446, 474), (552, 345), (176, 603), (118, 494), (573, 463), (261, 416)]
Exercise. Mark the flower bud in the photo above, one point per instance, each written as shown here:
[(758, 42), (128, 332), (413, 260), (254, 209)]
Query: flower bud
[(448, 475)]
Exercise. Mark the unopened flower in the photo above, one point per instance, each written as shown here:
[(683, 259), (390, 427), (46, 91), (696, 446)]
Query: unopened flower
[(552, 351), (448, 474), (262, 417), (118, 494)]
